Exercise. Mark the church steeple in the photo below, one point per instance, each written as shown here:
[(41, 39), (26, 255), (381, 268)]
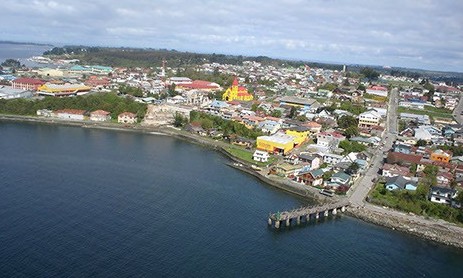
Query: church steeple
[(235, 82)]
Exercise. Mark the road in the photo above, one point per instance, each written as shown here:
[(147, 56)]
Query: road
[(457, 111), (363, 185)]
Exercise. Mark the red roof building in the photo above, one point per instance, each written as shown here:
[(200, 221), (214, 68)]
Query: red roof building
[(200, 85), (27, 83)]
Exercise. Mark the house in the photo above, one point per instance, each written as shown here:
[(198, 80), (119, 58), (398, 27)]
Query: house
[(442, 195), (100, 116), (314, 127), (399, 182), (403, 159), (377, 90), (332, 159), (312, 177), (440, 155), (127, 118), (329, 139), (426, 132), (241, 141), (70, 114), (261, 156), (312, 160), (392, 170), (269, 126), (341, 178), (285, 170), (402, 148), (369, 118), (195, 128), (291, 159)]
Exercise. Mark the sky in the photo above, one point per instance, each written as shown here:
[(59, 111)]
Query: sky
[(425, 34)]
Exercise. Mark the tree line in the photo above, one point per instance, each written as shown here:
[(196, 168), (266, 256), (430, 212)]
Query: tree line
[(108, 101)]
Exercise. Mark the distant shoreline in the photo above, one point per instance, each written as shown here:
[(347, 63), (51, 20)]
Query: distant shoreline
[(26, 43)]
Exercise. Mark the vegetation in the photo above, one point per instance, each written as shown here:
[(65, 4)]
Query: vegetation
[(424, 112), (11, 63), (246, 156), (349, 146), (369, 73), (130, 90), (415, 202), (227, 127), (109, 102)]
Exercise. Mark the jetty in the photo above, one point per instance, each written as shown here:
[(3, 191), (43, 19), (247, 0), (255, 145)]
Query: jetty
[(305, 214)]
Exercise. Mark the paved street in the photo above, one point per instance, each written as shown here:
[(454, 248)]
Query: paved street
[(364, 183)]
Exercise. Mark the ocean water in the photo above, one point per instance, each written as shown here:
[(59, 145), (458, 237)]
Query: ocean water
[(78, 202), (21, 52)]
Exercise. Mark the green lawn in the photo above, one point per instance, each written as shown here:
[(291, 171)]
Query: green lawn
[(246, 155), (432, 113)]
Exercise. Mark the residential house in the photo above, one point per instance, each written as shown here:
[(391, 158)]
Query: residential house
[(440, 155), (399, 182), (312, 160), (442, 195), (331, 158), (392, 170), (269, 127), (329, 139), (402, 148), (341, 178), (369, 118), (261, 156), (312, 177), (403, 159)]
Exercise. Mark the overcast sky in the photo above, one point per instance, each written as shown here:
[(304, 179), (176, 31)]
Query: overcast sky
[(424, 34)]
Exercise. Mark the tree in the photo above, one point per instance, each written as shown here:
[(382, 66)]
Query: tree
[(353, 168), (369, 73), (179, 120), (171, 90), (276, 113), (421, 143), (347, 121), (293, 112), (361, 87), (349, 146), (11, 63), (351, 131)]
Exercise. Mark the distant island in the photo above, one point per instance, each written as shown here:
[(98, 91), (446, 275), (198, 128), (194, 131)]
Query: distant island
[(26, 43)]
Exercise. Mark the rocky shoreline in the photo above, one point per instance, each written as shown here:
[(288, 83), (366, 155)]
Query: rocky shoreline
[(437, 232)]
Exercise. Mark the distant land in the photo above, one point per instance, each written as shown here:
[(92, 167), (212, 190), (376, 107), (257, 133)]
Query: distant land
[(25, 43)]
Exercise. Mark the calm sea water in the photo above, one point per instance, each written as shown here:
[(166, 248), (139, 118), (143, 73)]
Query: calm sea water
[(82, 202), (21, 52)]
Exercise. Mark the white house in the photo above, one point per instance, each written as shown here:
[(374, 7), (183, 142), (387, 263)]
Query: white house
[(442, 195), (329, 139), (261, 156), (70, 114), (369, 118)]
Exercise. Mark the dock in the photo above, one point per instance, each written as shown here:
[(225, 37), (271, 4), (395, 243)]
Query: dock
[(305, 214)]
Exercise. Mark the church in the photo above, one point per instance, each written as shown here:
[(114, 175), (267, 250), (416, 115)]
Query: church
[(236, 92)]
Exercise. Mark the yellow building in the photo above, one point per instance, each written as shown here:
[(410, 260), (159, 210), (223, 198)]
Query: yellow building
[(299, 133), (51, 89), (236, 92), (278, 143), (440, 155)]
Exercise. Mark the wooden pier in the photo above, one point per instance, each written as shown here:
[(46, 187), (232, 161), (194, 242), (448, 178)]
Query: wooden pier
[(306, 214)]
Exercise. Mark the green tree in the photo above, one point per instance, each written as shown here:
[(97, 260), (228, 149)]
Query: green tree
[(369, 73), (276, 113), (347, 121), (293, 112), (421, 143), (351, 131), (179, 120)]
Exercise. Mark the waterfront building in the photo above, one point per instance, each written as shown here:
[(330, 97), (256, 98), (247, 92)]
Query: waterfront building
[(277, 143), (70, 114), (399, 182), (300, 134), (100, 116), (236, 92), (261, 156), (442, 195), (127, 118)]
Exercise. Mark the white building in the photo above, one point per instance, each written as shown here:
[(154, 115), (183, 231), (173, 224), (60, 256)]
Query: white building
[(70, 114), (100, 116), (127, 118), (369, 118), (261, 156)]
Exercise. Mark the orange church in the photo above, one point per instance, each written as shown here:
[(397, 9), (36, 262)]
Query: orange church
[(236, 92)]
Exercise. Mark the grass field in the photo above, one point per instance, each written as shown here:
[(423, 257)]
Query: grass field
[(434, 113), (246, 155)]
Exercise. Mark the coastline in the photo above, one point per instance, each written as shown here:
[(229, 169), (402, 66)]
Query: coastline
[(449, 235)]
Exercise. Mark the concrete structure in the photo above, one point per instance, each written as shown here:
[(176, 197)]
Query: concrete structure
[(278, 143), (236, 92), (305, 214), (127, 118)]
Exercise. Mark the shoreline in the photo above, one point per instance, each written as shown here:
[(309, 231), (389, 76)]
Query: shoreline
[(437, 232)]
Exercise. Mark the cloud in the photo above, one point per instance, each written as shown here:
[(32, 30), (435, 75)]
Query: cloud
[(413, 33)]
